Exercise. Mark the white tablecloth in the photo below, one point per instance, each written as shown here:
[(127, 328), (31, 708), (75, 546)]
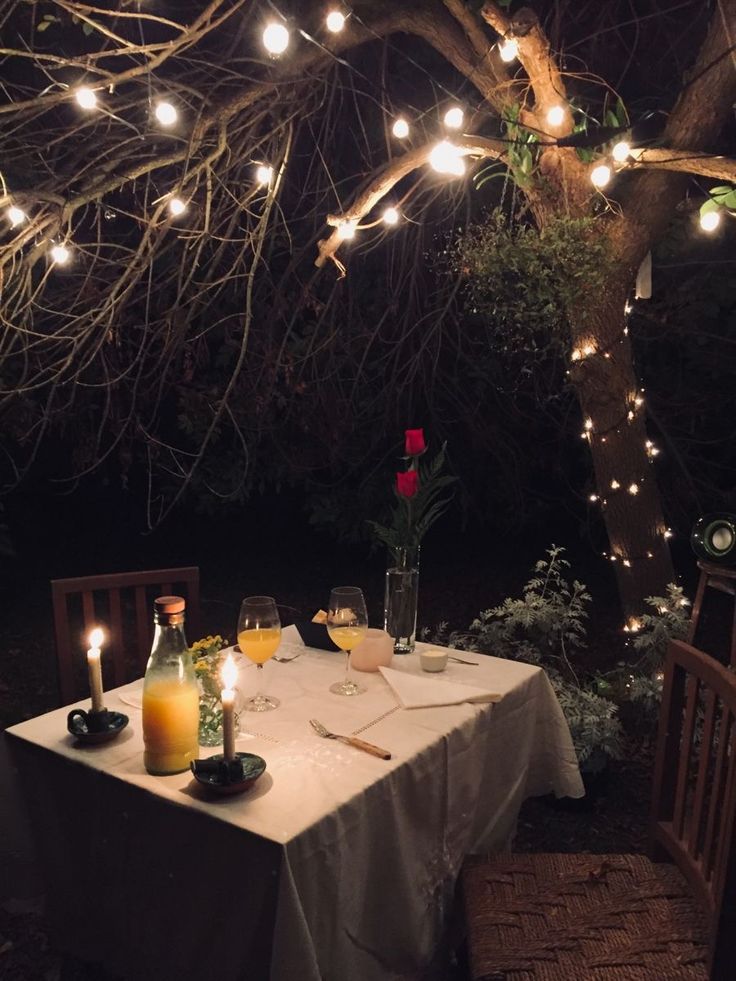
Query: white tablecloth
[(335, 865)]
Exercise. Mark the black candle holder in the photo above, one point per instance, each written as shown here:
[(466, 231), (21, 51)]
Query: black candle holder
[(95, 727), (228, 776)]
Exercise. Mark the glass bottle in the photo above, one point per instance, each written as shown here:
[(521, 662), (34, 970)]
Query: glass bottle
[(401, 597), (170, 694)]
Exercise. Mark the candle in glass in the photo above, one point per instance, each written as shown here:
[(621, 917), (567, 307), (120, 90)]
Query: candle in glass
[(229, 677), (94, 669)]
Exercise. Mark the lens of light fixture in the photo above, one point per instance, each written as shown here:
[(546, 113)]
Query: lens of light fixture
[(600, 175), (177, 206), (275, 38), (166, 113), (346, 230), (710, 221), (400, 129), (16, 216), (621, 151), (60, 254), (446, 158), (556, 116), (335, 21), (86, 97), (508, 49), (454, 118), (264, 174), (391, 216)]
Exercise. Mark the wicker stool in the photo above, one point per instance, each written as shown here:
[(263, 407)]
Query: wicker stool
[(581, 917), (724, 580)]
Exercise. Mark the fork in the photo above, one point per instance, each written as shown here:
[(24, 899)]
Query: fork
[(382, 754), (285, 660)]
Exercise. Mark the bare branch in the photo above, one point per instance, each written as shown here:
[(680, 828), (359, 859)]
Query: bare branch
[(389, 177)]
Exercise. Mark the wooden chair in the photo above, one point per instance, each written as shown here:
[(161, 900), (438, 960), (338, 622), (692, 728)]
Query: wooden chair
[(625, 917), (723, 579), (122, 603)]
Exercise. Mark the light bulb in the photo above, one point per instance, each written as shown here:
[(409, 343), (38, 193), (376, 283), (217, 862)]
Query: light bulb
[(710, 221), (556, 116), (166, 113), (177, 206), (633, 489), (275, 38), (16, 216), (60, 254), (400, 129), (346, 230), (593, 498), (615, 484), (600, 175), (446, 158), (391, 216), (508, 49), (335, 21), (454, 117), (86, 97), (264, 174), (621, 151)]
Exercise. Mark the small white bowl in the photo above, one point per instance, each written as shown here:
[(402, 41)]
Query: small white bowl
[(433, 660), (376, 649)]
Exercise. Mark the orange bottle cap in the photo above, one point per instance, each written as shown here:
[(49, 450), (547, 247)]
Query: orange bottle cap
[(169, 604)]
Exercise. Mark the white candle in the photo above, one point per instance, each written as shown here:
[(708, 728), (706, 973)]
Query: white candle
[(229, 677), (95, 669)]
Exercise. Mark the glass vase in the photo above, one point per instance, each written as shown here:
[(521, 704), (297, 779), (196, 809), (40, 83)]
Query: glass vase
[(401, 597), (210, 721)]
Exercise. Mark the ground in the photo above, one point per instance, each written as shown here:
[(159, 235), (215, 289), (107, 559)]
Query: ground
[(268, 552)]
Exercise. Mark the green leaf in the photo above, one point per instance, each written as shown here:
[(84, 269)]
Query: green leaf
[(710, 205), (87, 28)]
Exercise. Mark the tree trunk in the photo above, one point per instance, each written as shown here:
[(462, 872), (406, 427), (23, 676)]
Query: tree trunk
[(614, 421)]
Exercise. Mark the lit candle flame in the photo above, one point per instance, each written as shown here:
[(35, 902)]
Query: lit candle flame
[(229, 672), (96, 637)]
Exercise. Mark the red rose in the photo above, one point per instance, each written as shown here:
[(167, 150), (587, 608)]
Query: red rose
[(414, 442), (407, 484)]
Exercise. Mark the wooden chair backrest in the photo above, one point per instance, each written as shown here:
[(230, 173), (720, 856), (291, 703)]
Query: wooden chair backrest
[(122, 604), (694, 801)]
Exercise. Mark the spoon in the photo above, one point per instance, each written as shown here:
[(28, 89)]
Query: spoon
[(382, 754), (459, 660)]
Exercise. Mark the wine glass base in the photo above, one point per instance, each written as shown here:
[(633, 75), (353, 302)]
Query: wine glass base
[(261, 703), (346, 688)]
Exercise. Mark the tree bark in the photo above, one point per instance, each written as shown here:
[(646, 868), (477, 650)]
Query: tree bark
[(614, 423)]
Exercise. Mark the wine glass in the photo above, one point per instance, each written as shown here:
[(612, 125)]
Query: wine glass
[(347, 625), (259, 635)]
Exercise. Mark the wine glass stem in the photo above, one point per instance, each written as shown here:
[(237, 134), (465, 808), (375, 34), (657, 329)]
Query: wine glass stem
[(347, 667), (259, 682)]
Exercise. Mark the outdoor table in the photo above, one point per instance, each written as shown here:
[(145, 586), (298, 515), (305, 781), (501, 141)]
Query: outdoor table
[(335, 865)]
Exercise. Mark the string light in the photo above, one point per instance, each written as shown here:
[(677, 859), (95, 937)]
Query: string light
[(615, 485), (508, 49), (400, 128), (600, 175), (264, 174), (710, 221), (628, 308), (60, 254), (346, 230), (667, 534), (177, 206), (454, 117), (335, 21), (446, 158), (588, 424), (275, 38), (15, 216), (633, 489), (391, 216), (621, 152), (556, 116), (593, 498), (166, 113), (86, 98)]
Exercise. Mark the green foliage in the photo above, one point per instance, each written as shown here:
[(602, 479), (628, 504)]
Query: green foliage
[(526, 282), (669, 621), (521, 154), (545, 626), (411, 518)]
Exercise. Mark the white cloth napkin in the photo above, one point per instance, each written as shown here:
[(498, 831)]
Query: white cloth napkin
[(415, 691)]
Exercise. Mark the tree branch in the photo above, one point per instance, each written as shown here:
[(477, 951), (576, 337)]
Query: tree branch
[(472, 146), (684, 161)]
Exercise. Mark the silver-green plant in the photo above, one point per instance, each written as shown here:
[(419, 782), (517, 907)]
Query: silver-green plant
[(546, 626)]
